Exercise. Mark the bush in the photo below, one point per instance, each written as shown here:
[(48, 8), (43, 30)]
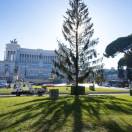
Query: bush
[(40, 91), (54, 93), (130, 92), (25, 92), (92, 88), (44, 88), (80, 90), (9, 86), (17, 93)]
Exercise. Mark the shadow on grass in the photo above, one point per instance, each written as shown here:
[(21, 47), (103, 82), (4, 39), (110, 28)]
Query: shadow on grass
[(47, 115), (114, 126)]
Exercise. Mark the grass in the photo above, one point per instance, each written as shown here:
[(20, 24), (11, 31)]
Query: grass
[(67, 114), (5, 90), (106, 90), (64, 89), (68, 89)]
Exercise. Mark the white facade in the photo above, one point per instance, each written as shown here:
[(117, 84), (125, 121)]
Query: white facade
[(29, 64), (2, 70)]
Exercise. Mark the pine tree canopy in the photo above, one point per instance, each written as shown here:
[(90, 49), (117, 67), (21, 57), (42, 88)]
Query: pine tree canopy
[(77, 58), (122, 45)]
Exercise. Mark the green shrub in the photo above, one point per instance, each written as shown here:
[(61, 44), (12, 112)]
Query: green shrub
[(80, 90), (92, 88), (130, 92), (54, 93)]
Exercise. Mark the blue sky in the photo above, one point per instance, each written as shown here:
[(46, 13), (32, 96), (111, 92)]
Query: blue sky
[(38, 23)]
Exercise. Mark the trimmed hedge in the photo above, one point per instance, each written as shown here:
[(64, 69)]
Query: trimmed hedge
[(19, 93), (54, 93), (130, 92), (80, 90), (92, 88)]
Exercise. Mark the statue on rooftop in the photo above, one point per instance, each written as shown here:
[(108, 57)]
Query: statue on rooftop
[(14, 41)]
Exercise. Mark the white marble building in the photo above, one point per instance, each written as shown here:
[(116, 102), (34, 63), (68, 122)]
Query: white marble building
[(2, 70), (29, 64)]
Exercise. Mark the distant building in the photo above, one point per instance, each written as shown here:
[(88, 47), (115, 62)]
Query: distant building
[(28, 64), (111, 74), (2, 70)]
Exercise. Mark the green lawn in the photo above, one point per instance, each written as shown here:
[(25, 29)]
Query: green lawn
[(5, 90), (67, 114), (106, 90), (64, 89)]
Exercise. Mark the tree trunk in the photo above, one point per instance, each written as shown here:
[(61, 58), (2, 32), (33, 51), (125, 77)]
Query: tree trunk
[(77, 56), (76, 63)]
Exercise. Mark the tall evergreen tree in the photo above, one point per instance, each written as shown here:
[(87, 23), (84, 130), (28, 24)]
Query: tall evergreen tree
[(77, 58)]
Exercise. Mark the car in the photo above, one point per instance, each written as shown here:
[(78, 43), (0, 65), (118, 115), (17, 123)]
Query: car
[(106, 84), (2, 85)]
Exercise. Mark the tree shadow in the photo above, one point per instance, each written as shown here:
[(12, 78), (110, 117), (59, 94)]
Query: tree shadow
[(48, 115), (77, 115), (113, 126)]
